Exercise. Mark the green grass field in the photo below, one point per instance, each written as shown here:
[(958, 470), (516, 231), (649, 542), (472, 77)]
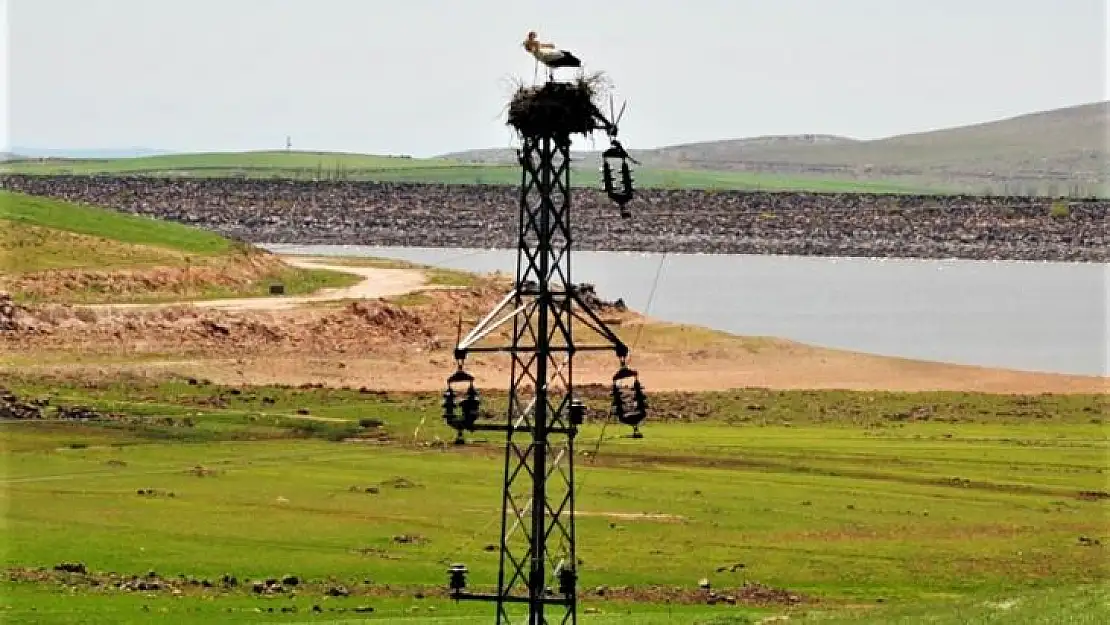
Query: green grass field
[(878, 507), (40, 234), (108, 224), (325, 166)]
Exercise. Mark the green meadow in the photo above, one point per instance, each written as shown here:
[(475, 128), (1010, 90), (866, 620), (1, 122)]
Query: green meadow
[(870, 507), (342, 166)]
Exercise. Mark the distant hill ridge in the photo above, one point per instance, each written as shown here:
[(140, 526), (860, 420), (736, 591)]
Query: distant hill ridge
[(772, 140), (1058, 152), (506, 156), (1064, 148)]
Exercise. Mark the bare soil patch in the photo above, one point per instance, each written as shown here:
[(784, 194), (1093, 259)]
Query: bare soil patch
[(378, 344), (633, 516)]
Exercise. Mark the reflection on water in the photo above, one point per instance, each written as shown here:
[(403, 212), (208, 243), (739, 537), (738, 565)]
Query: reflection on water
[(1018, 315)]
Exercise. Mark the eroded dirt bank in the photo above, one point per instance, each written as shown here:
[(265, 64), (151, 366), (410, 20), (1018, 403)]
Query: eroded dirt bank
[(395, 345)]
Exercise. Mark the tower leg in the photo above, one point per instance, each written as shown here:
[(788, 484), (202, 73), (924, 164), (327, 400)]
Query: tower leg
[(537, 504)]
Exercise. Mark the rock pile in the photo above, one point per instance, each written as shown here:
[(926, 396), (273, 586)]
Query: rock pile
[(15, 408), (11, 407), (588, 294), (690, 221), (7, 313), (77, 574), (755, 593), (751, 593)]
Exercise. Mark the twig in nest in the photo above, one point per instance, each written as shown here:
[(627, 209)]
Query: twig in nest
[(558, 108)]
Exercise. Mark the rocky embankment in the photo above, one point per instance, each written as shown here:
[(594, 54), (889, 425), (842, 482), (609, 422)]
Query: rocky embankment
[(812, 224)]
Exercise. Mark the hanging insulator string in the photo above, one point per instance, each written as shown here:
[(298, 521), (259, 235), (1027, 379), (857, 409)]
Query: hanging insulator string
[(639, 335)]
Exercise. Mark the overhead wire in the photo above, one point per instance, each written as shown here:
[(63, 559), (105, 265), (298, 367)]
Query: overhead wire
[(579, 480), (635, 342), (651, 296)]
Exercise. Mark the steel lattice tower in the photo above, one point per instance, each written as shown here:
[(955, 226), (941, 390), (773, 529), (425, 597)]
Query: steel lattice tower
[(538, 563)]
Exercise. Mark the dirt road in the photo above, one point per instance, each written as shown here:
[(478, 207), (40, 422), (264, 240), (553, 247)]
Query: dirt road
[(376, 283)]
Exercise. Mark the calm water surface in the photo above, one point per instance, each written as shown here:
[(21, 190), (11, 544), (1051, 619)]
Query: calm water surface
[(1017, 315)]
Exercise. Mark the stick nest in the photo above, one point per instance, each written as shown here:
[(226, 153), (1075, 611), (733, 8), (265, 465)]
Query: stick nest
[(556, 109)]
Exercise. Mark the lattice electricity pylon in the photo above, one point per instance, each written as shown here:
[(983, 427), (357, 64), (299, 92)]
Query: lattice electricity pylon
[(538, 565)]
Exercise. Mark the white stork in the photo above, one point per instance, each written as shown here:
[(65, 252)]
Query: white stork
[(549, 55)]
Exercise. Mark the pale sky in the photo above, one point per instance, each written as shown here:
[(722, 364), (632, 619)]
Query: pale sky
[(424, 77)]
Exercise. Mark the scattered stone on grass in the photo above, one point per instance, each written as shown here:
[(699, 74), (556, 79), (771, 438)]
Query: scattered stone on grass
[(409, 539), (715, 598), (1093, 495), (151, 492), (376, 552), (370, 490), (76, 575), (12, 407), (202, 471)]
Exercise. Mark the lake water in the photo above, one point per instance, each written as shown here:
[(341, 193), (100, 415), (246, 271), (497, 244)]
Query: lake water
[(1016, 315)]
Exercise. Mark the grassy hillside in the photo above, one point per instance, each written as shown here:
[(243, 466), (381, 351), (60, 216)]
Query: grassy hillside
[(65, 252), (876, 507), (335, 166), (108, 224)]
